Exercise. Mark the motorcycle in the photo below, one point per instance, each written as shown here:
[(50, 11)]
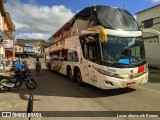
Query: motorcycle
[(6, 83), (16, 81), (24, 75)]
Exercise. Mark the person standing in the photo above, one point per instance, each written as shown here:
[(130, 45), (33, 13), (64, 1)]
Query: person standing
[(3, 62), (19, 64), (37, 64)]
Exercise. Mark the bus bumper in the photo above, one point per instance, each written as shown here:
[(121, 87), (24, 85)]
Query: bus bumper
[(113, 82)]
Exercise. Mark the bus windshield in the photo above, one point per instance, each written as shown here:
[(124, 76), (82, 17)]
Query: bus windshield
[(123, 50), (115, 18)]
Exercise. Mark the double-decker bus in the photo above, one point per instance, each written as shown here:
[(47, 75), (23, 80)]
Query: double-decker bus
[(101, 46)]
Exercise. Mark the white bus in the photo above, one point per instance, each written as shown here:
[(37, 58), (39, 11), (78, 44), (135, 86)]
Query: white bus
[(101, 46)]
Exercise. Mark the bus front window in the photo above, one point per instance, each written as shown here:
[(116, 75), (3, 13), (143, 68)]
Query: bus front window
[(115, 18), (119, 49)]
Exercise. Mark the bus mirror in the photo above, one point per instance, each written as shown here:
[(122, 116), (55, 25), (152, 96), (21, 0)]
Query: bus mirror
[(101, 30)]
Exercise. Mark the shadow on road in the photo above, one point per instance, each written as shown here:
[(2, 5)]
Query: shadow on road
[(153, 79), (55, 84)]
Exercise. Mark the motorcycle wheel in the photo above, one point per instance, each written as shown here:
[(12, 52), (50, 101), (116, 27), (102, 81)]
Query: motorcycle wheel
[(5, 88), (18, 83), (31, 85)]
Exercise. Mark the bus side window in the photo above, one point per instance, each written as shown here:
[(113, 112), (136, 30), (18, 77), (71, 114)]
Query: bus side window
[(76, 57), (93, 56), (73, 56), (85, 52), (89, 45), (64, 55)]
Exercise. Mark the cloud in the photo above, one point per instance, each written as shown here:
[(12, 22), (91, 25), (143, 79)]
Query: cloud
[(33, 36), (155, 1), (135, 17), (78, 10), (36, 19)]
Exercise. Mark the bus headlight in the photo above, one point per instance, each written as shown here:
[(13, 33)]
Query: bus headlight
[(125, 77), (131, 76)]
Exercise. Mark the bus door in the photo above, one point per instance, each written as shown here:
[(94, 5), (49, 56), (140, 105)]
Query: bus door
[(85, 71), (91, 61)]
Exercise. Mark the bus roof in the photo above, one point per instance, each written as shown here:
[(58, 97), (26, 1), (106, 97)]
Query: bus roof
[(71, 20), (122, 20)]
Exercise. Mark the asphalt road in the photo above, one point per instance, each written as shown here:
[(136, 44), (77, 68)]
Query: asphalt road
[(56, 93)]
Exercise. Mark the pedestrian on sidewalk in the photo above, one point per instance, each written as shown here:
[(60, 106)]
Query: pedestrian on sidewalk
[(3, 62)]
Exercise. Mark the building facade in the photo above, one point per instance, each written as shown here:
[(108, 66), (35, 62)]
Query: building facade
[(38, 45), (28, 48), (7, 30), (18, 50), (24, 50), (150, 19)]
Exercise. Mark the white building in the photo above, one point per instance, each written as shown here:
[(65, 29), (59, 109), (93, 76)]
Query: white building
[(37, 43), (28, 48), (150, 19), (37, 50)]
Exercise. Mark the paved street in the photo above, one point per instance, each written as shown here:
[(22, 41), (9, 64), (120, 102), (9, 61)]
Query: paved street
[(56, 93)]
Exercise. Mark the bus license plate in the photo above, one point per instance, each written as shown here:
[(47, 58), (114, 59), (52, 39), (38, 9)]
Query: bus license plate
[(131, 84)]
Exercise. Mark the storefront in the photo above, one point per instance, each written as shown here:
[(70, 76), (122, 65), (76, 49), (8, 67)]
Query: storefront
[(8, 53), (1, 53), (8, 48), (1, 48)]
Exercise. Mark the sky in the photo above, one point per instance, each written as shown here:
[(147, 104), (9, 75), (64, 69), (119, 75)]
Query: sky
[(40, 19)]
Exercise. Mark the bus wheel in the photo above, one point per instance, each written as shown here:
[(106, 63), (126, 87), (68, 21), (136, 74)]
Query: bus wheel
[(78, 77), (70, 75)]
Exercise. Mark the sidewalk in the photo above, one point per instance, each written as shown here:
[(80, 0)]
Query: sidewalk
[(4, 72)]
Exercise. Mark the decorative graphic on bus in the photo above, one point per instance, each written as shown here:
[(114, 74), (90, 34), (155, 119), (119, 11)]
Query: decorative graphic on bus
[(93, 79), (56, 63), (104, 72)]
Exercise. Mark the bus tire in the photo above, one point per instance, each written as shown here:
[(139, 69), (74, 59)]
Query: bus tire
[(78, 77), (69, 74)]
